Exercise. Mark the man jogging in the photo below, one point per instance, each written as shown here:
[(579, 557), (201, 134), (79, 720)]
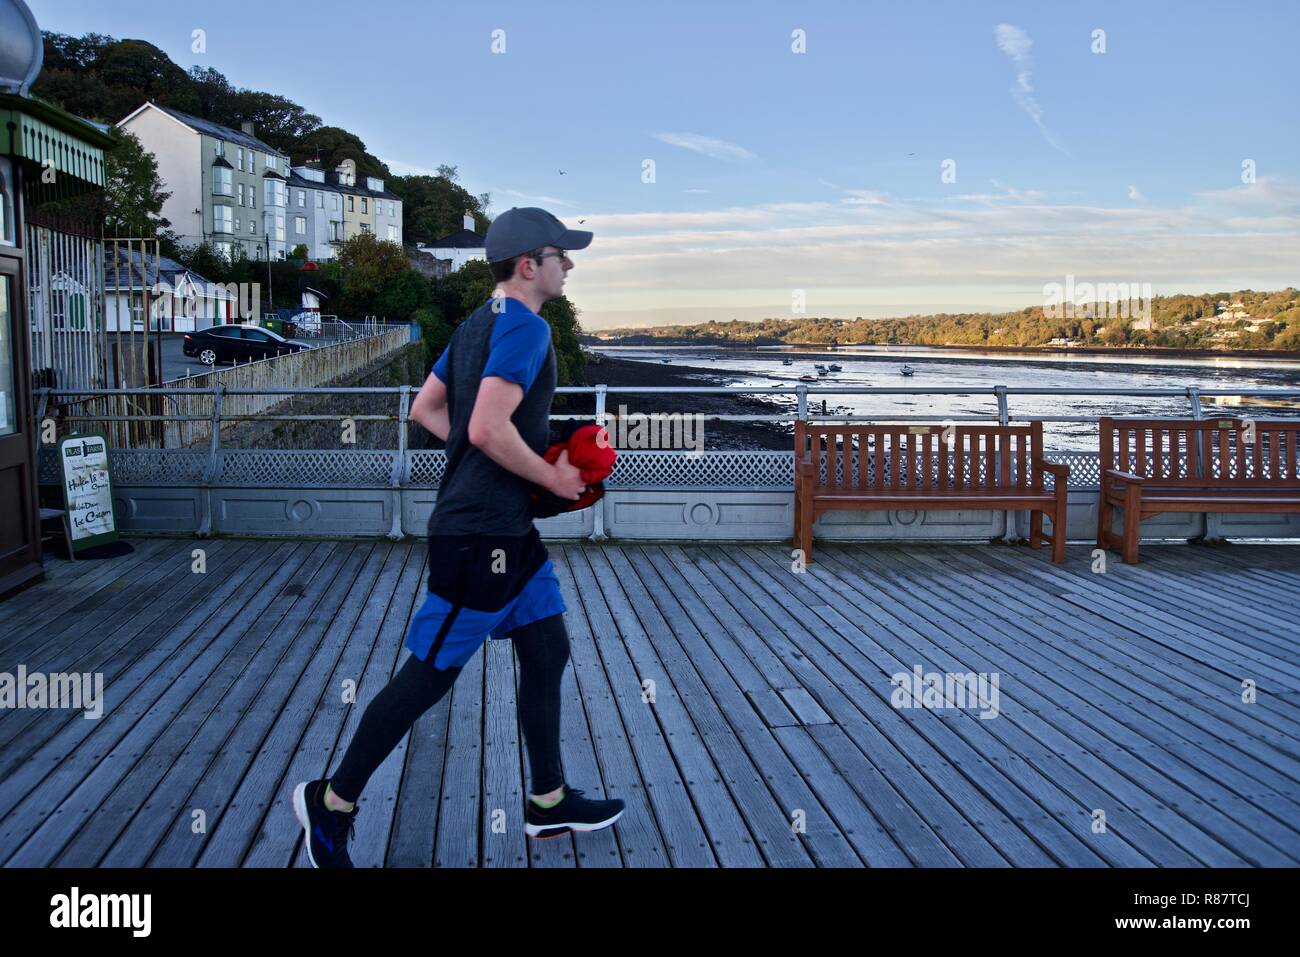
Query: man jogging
[(489, 398)]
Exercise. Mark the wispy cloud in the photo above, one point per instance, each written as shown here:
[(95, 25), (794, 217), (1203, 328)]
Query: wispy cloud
[(1135, 194), (533, 198), (708, 145), (1015, 43), (866, 197), (410, 169), (697, 191)]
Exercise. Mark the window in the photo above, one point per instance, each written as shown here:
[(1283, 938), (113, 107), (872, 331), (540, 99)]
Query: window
[(351, 202), (252, 162), (275, 192), (221, 181), (334, 201), (241, 159), (365, 227), (238, 224), (302, 197), (300, 225), (392, 210), (270, 161), (257, 253), (363, 204), (336, 234), (320, 199), (252, 225), (221, 220), (218, 148), (222, 249), (240, 188), (392, 234), (252, 197), (278, 235)]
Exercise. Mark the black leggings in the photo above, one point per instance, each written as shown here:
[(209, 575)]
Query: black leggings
[(543, 650)]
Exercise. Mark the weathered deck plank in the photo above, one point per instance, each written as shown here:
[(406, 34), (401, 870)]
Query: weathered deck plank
[(1120, 692)]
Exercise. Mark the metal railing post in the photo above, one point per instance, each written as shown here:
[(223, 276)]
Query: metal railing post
[(211, 470), (1209, 522), (1010, 518), (398, 531), (598, 519)]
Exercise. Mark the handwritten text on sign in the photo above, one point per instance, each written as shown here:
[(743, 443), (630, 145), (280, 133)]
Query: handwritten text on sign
[(90, 499)]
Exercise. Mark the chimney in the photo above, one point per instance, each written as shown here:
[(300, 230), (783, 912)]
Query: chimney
[(469, 222), (247, 127)]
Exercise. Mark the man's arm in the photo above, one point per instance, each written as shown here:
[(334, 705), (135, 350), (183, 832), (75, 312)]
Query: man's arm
[(491, 430), (430, 407)]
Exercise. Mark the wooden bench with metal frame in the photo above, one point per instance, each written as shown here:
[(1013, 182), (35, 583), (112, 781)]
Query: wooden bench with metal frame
[(1152, 466), (918, 467)]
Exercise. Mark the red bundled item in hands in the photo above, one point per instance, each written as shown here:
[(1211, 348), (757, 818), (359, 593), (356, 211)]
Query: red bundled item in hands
[(592, 454)]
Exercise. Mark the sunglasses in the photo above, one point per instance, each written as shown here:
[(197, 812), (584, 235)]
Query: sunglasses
[(562, 254)]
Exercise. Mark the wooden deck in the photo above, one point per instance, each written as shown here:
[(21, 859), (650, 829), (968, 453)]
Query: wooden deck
[(1120, 693)]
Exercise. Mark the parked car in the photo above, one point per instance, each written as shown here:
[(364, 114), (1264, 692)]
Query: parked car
[(238, 342)]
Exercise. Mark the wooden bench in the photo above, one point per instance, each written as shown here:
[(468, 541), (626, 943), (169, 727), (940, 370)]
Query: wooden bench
[(912, 467), (1150, 466)]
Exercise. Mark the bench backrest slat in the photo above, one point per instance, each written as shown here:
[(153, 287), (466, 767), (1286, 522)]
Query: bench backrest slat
[(1200, 453), (918, 458)]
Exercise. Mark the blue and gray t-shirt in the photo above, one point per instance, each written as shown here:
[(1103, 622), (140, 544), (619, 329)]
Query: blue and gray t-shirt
[(482, 507)]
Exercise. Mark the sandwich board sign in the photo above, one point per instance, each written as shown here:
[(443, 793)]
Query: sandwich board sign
[(87, 491)]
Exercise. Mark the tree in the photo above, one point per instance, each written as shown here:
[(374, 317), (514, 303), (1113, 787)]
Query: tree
[(435, 333), (133, 195), (403, 296), (367, 265)]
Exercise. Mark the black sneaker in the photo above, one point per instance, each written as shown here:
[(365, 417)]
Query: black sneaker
[(573, 813), (325, 832)]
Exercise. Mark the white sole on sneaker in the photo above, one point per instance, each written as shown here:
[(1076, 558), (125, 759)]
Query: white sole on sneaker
[(300, 812), (535, 830)]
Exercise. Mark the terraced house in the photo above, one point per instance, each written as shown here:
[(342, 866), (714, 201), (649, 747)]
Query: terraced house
[(327, 207), (228, 188)]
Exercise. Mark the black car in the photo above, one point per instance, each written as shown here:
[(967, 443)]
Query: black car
[(238, 343)]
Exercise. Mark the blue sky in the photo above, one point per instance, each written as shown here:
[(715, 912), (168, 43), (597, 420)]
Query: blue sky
[(820, 171)]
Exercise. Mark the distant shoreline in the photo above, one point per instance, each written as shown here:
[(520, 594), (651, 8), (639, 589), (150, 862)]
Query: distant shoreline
[(1142, 352)]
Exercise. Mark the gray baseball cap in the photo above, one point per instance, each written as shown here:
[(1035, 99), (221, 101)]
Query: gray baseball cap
[(520, 229)]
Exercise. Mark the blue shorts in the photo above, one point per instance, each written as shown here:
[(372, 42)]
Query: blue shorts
[(538, 599)]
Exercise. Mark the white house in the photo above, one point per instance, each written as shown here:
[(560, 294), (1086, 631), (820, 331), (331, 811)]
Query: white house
[(180, 300), (460, 247)]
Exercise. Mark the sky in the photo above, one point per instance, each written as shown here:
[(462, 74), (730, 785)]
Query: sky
[(757, 159)]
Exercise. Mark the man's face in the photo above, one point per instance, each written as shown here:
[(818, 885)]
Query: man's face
[(549, 274)]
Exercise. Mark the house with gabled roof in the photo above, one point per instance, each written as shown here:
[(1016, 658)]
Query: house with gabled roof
[(228, 188)]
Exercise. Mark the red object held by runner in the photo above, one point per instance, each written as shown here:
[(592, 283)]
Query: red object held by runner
[(592, 454)]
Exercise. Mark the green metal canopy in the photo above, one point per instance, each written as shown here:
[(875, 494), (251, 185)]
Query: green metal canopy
[(49, 138)]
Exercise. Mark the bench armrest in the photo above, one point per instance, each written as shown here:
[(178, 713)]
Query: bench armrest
[(1058, 470), (1115, 475)]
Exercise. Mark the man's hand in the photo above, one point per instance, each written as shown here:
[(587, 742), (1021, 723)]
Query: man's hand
[(567, 478)]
